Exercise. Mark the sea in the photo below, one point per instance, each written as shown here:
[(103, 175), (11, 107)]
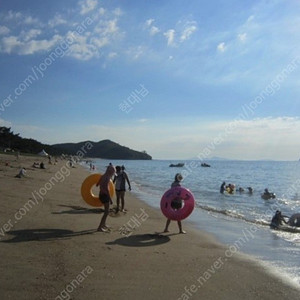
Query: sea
[(241, 220)]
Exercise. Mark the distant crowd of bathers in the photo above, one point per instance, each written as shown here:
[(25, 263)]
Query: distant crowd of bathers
[(278, 219), (231, 189)]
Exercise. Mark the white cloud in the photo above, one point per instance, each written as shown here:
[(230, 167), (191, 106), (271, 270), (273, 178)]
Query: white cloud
[(29, 20), (154, 30), (30, 34), (87, 6), (8, 44), (57, 20), (80, 48), (5, 123), (242, 37), (107, 27), (101, 11), (18, 18), (100, 42), (251, 18), (136, 52), (14, 44), (189, 29), (143, 120), (111, 27), (39, 45), (13, 16), (118, 12), (149, 22), (112, 55), (170, 36), (221, 47), (83, 51), (32, 38), (4, 30)]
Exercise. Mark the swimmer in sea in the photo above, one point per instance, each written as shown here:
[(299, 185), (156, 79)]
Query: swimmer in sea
[(222, 188), (277, 220), (250, 190)]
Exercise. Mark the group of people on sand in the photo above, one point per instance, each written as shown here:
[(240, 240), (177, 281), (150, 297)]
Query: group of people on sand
[(37, 165), (40, 165), (22, 172), (120, 178)]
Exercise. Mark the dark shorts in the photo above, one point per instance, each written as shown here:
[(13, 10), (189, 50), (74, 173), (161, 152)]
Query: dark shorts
[(104, 198), (176, 204), (123, 190)]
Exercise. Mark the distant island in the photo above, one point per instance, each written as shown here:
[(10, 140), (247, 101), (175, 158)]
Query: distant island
[(106, 149)]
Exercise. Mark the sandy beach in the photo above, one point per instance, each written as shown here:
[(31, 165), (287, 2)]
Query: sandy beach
[(50, 248)]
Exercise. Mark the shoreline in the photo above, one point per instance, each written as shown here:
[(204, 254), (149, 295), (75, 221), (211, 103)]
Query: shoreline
[(53, 251)]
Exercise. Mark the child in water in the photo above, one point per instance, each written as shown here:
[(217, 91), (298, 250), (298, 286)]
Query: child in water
[(176, 203), (104, 195)]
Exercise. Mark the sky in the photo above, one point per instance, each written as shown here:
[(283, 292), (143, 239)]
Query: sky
[(177, 79)]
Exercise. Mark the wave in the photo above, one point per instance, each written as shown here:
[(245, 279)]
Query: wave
[(233, 214)]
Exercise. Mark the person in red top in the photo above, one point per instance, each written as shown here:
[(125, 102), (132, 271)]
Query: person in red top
[(104, 195)]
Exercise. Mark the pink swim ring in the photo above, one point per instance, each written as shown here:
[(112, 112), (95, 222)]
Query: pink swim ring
[(174, 194)]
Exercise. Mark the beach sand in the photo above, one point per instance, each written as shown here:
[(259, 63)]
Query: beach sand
[(50, 250)]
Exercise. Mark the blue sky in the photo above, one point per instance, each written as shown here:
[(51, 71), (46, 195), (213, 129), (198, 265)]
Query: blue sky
[(179, 79)]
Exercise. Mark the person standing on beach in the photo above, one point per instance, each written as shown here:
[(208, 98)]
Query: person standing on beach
[(176, 203), (104, 195), (120, 180)]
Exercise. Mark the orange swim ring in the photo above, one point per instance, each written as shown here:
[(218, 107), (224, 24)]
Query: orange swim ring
[(86, 190)]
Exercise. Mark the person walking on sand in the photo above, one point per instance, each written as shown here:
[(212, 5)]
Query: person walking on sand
[(104, 195), (176, 203), (120, 181)]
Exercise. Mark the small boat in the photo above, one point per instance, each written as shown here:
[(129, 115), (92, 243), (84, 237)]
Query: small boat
[(179, 165), (205, 165)]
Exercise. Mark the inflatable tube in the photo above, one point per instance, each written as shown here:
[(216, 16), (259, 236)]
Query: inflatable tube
[(294, 220), (177, 193), (86, 190), (268, 196)]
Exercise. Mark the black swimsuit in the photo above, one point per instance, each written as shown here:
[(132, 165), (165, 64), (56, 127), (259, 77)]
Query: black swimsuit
[(104, 198)]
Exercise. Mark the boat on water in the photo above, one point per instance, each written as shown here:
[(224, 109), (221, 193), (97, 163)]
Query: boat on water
[(205, 165), (179, 165)]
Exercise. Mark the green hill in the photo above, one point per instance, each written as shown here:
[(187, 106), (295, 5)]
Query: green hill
[(103, 149), (13, 142)]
